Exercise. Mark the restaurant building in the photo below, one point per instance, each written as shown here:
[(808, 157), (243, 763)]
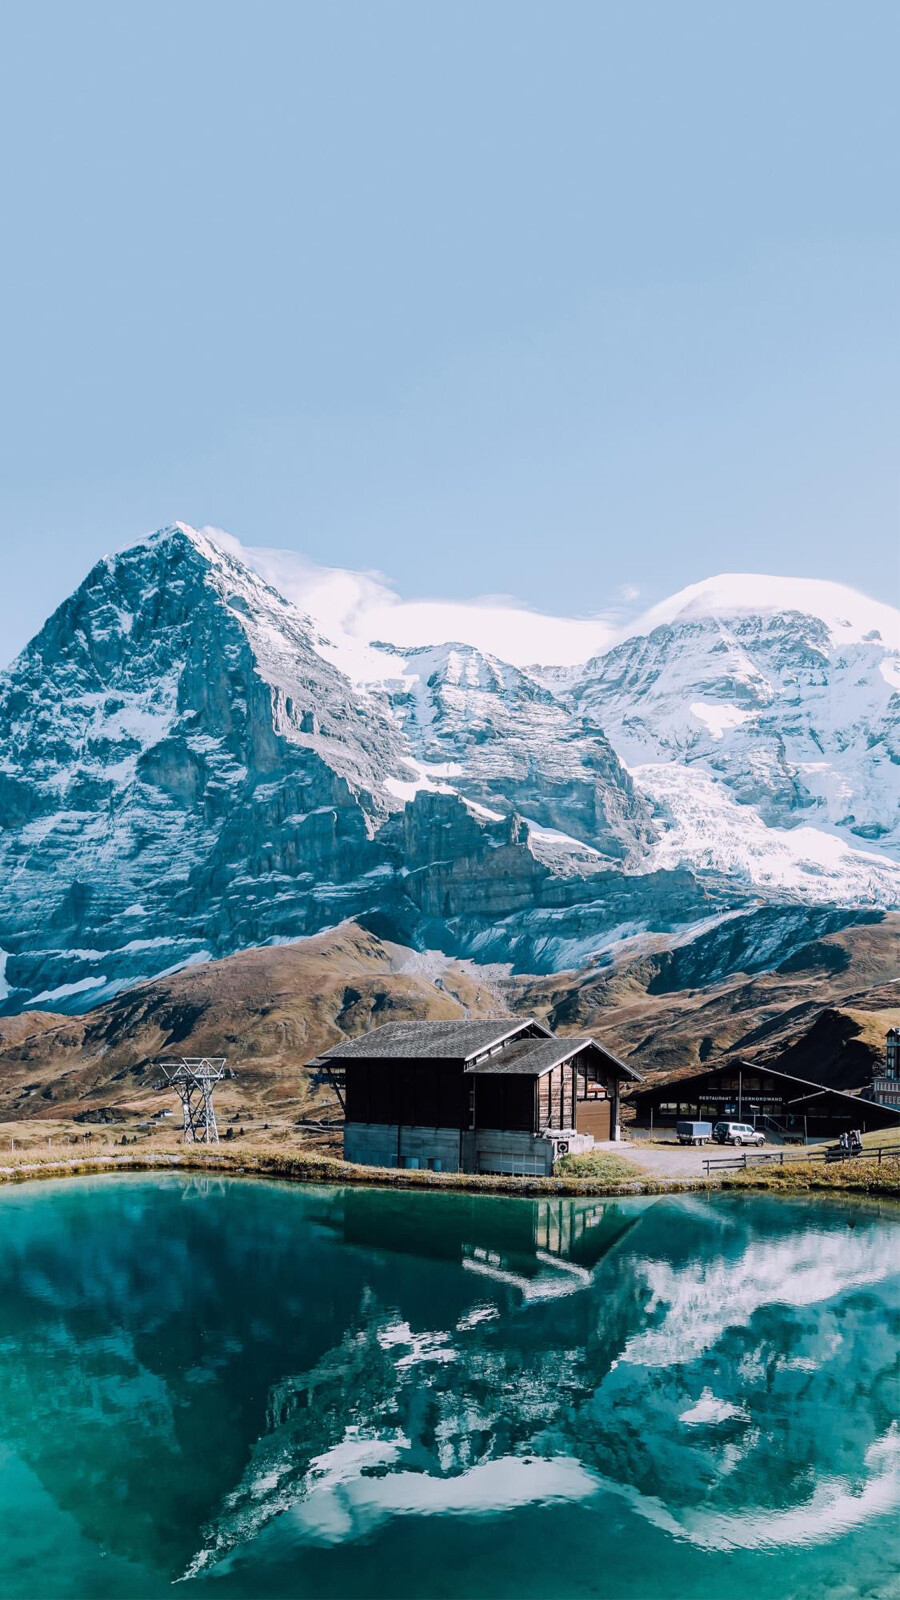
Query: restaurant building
[(774, 1101), (496, 1095)]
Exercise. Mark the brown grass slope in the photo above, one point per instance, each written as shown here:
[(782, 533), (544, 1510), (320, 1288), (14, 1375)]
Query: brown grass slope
[(268, 1010), (13, 1030), (823, 1014)]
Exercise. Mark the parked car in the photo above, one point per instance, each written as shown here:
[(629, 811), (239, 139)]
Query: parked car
[(693, 1132), (737, 1133)]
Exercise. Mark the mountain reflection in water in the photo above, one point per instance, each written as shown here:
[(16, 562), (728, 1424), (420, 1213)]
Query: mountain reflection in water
[(209, 1378)]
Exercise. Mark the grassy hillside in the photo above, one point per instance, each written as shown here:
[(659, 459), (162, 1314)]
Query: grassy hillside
[(825, 1013), (268, 1010)]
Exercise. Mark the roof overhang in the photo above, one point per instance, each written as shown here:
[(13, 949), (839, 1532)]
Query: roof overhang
[(620, 1066)]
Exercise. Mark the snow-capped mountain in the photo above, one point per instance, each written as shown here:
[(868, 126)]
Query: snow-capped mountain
[(763, 739), (186, 770), (739, 723), (848, 615)]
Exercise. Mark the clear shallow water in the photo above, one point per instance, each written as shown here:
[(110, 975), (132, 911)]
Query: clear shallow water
[(286, 1391)]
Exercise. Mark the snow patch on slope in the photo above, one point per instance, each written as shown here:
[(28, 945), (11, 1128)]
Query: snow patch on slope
[(65, 990), (717, 718)]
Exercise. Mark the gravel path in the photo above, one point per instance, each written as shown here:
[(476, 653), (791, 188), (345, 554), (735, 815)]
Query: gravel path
[(669, 1161)]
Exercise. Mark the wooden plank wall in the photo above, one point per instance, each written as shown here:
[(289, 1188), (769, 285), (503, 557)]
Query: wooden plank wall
[(504, 1101), (556, 1097)]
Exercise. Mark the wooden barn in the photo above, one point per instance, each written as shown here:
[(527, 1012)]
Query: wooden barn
[(496, 1095)]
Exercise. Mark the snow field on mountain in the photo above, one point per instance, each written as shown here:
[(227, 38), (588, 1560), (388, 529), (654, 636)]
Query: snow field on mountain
[(802, 728), (708, 829)]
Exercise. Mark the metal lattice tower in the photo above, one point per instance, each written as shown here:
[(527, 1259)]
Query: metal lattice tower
[(193, 1078)]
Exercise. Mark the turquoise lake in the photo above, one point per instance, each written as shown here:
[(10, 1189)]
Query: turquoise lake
[(267, 1390)]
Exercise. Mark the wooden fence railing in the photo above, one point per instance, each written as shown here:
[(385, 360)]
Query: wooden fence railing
[(781, 1157)]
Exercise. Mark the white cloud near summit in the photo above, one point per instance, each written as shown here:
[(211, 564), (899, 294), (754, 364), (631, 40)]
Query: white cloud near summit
[(355, 608)]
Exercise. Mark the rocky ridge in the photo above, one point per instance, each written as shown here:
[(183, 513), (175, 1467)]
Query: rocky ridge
[(268, 1010)]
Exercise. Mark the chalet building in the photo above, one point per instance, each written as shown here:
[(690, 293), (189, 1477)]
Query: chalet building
[(501, 1095), (774, 1101), (886, 1083)]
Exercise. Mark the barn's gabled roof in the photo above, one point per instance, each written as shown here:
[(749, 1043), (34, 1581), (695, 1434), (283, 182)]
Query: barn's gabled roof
[(491, 1045), (533, 1057), (459, 1040)]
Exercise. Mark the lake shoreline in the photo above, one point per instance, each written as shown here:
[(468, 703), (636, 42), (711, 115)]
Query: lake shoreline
[(864, 1177)]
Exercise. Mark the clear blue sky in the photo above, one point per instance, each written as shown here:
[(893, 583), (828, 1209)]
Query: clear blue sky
[(543, 299)]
